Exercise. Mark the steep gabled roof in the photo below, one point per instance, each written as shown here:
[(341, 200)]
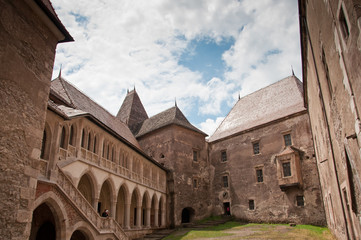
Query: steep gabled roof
[(73, 98), (169, 117), (276, 101), (132, 111)]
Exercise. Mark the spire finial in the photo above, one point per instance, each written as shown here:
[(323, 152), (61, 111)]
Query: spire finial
[(175, 102), (127, 90), (293, 73), (59, 76), (239, 96), (134, 87)]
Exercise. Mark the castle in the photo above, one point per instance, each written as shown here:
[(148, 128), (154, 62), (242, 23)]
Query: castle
[(286, 153)]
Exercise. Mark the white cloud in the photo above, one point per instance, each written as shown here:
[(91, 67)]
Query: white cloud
[(210, 125), (122, 44)]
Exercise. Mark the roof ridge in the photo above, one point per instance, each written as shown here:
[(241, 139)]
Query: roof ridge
[(65, 90)]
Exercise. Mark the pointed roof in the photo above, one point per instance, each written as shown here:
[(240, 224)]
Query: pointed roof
[(132, 111), (69, 96), (172, 116), (268, 104)]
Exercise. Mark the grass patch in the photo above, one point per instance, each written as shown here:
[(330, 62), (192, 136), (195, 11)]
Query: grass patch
[(211, 218), (315, 229), (223, 226)]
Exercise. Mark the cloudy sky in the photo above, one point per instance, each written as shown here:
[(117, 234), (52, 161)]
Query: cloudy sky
[(203, 53)]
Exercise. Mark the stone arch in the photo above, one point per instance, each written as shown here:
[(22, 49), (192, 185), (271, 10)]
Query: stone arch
[(82, 231), (106, 196), (95, 143), (135, 204), (64, 137), (86, 186), (145, 206), (83, 137), (122, 202), (154, 211), (161, 211), (46, 143), (49, 218), (187, 215), (90, 138)]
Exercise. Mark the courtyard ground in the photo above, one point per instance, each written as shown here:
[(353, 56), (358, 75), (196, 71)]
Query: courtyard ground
[(236, 230)]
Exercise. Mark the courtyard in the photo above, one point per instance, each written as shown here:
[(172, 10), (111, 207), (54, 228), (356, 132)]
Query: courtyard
[(237, 230)]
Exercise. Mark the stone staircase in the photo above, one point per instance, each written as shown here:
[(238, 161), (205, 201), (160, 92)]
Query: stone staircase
[(160, 234)]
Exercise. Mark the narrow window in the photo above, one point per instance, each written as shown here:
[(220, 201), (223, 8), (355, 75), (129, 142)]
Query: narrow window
[(286, 169), (195, 183), (71, 136), (288, 140), (83, 138), (108, 152), (224, 156), (225, 181), (256, 148), (300, 201), (251, 204), (89, 141), (43, 145), (343, 24), (62, 138), (113, 154), (103, 154), (195, 156), (259, 174), (95, 145)]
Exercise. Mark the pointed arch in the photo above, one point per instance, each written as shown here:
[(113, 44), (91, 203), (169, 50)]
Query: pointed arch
[(83, 138), (86, 186), (134, 205), (153, 210), (122, 203), (72, 135), (63, 137), (49, 217), (106, 195), (145, 208), (95, 144), (89, 141), (85, 229)]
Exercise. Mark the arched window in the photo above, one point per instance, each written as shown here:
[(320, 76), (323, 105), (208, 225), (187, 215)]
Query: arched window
[(103, 154), (95, 145), (71, 136), (62, 138), (113, 154), (108, 151), (89, 141), (83, 138)]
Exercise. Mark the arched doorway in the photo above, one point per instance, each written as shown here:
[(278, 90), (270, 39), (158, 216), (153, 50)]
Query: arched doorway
[(105, 197), (187, 215), (122, 194), (79, 235), (43, 226), (134, 208)]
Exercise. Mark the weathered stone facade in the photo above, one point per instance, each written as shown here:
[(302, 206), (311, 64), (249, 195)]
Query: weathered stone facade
[(331, 45), (29, 33)]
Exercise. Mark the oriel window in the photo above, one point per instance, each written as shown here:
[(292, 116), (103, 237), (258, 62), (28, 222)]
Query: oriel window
[(286, 169)]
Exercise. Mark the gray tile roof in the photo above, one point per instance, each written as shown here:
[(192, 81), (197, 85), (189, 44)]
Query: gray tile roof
[(132, 111), (276, 101), (172, 116), (76, 100)]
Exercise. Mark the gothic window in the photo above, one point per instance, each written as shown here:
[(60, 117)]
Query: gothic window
[(251, 204), (103, 154), (83, 138), (43, 146), (113, 154), (256, 148), (225, 181), (343, 24), (224, 156), (288, 140), (259, 174), (71, 135), (62, 138), (286, 166), (89, 141), (95, 145), (300, 201)]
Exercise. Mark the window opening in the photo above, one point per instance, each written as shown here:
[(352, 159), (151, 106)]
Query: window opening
[(195, 156), (225, 181), (43, 145), (251, 204), (71, 136), (62, 138), (224, 156), (343, 24), (83, 138), (259, 174), (256, 148), (300, 201), (288, 140), (286, 169)]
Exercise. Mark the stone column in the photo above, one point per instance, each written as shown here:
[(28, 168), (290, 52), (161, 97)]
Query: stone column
[(126, 215), (139, 216), (163, 222), (156, 224), (147, 217), (113, 208)]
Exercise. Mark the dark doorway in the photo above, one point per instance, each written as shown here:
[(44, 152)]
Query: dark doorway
[(227, 208), (187, 215), (78, 235), (43, 224)]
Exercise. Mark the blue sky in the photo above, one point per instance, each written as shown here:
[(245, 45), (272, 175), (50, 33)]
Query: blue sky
[(203, 53)]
